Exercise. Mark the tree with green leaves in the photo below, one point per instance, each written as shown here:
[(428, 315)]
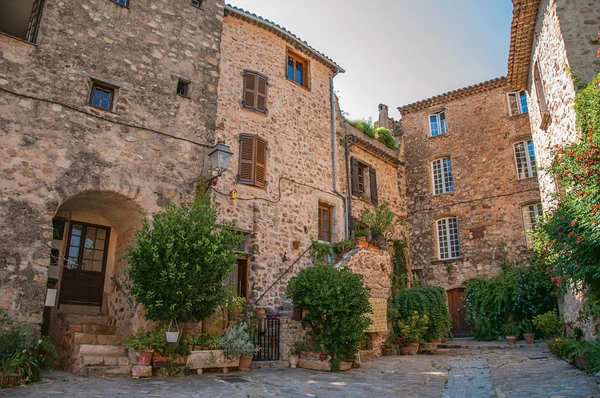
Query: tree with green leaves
[(179, 261)]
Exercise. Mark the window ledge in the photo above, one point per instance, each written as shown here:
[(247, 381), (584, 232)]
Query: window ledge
[(183, 96), (518, 115), (436, 136), (17, 39), (527, 178), (437, 195), (97, 108), (254, 110), (447, 260), (297, 84)]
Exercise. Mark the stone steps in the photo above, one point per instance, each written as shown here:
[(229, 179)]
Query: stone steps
[(91, 338), (102, 350), (106, 371)]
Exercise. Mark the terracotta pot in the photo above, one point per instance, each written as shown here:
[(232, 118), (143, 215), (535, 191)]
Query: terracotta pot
[(159, 361), (373, 246), (323, 357), (413, 348), (197, 348), (529, 337), (386, 352), (361, 243), (245, 362), (405, 350), (294, 361), (511, 339), (143, 357)]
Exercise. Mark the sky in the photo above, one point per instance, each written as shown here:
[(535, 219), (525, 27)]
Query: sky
[(398, 51)]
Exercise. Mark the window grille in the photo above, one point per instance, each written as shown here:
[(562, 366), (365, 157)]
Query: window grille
[(448, 245), (525, 159), (443, 181)]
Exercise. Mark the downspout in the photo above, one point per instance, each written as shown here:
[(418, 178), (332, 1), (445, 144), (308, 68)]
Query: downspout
[(335, 189)]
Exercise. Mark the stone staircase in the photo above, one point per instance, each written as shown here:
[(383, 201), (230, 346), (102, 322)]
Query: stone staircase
[(92, 348)]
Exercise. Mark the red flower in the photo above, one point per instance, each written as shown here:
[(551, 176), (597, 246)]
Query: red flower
[(579, 239), (573, 223)]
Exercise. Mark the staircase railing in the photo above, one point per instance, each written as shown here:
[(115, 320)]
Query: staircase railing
[(121, 288)]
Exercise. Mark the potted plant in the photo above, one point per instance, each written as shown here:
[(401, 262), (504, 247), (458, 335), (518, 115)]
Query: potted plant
[(172, 336), (170, 352), (294, 355), (413, 329), (526, 327), (388, 345), (510, 332), (143, 344), (237, 341), (380, 220), (551, 325)]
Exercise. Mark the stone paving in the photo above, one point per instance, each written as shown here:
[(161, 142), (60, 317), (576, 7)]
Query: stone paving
[(467, 372)]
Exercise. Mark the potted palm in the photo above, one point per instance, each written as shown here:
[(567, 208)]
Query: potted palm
[(388, 345), (510, 332), (237, 341), (526, 327)]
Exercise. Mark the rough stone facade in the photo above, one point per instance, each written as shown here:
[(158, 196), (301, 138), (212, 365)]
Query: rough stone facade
[(60, 157), (487, 197)]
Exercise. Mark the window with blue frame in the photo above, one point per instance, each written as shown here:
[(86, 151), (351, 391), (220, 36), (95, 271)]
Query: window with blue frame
[(437, 124), (102, 97), (124, 3), (197, 3), (297, 69), (517, 102)]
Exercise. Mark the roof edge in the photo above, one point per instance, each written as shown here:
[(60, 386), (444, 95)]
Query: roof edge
[(289, 36), (453, 95)]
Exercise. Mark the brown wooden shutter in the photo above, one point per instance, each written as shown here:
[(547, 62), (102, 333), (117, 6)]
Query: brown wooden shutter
[(247, 156), (261, 94), (250, 90), (373, 185), (354, 172), (260, 165)]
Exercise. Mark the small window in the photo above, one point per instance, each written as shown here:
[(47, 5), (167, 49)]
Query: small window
[(102, 96), (237, 279), (364, 180), (124, 3), (297, 69), (443, 182), (253, 161), (531, 219), (21, 18), (324, 223), (197, 3), (517, 102), (447, 231), (183, 88), (525, 159), (437, 124), (255, 92)]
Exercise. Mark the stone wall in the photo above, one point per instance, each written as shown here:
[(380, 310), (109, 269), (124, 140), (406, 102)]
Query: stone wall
[(562, 49), (487, 195), (149, 150)]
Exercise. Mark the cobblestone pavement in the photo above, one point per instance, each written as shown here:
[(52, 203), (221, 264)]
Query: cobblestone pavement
[(504, 373)]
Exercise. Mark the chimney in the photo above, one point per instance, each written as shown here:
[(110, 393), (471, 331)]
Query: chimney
[(384, 119)]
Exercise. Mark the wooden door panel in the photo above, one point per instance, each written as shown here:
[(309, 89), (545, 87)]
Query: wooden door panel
[(456, 307)]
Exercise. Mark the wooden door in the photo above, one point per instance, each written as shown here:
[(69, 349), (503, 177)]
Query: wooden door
[(84, 266), (456, 307)]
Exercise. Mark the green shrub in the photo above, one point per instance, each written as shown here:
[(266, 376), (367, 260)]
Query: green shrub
[(413, 329), (338, 303), (550, 324), (386, 137), (150, 340), (179, 262), (399, 272), (237, 340), (510, 329), (380, 219), (426, 300), (365, 126), (484, 330)]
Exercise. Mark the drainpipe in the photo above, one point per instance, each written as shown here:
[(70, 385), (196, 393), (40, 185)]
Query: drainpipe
[(335, 189)]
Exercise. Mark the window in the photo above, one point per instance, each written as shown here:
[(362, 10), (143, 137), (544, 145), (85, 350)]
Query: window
[(21, 18), (437, 124), (447, 230), (124, 3), (255, 92), (517, 102), (525, 159), (324, 223), (253, 160), (442, 176), (197, 3), (364, 181), (102, 96), (297, 69), (531, 219), (541, 97), (183, 88), (238, 278)]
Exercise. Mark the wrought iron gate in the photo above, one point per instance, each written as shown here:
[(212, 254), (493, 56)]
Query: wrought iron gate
[(267, 338)]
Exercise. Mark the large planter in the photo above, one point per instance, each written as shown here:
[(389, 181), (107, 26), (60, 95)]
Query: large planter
[(317, 364), (143, 357), (405, 350), (386, 352), (428, 347), (413, 348), (294, 361), (529, 337), (211, 359), (245, 362), (511, 339)]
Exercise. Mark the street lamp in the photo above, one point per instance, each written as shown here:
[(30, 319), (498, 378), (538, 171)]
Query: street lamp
[(220, 156)]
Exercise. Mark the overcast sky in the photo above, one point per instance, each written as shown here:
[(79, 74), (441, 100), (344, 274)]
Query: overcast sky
[(398, 51)]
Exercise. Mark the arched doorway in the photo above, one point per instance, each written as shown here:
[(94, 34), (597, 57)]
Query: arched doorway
[(456, 307)]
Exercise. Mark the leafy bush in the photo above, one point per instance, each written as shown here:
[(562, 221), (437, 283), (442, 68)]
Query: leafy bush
[(399, 271), (520, 291), (510, 329), (568, 237), (380, 219), (150, 340), (237, 340), (178, 264), (485, 331), (386, 137), (426, 300), (413, 329), (366, 126), (211, 341), (337, 302), (550, 324)]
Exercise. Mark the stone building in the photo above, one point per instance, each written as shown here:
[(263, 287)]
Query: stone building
[(553, 50), (472, 186), (108, 111)]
